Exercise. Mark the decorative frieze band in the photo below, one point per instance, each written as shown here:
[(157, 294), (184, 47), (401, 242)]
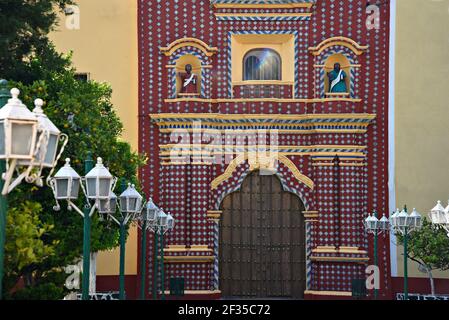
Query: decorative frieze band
[(329, 293), (263, 16), (183, 254), (340, 254), (189, 259), (214, 214), (301, 124)]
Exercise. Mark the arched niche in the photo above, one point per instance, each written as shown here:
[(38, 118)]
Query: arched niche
[(329, 66), (349, 54), (196, 69)]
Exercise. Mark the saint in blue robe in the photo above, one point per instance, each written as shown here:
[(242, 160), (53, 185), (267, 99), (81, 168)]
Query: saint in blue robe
[(337, 84)]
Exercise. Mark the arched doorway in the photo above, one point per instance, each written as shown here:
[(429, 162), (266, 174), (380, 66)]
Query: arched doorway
[(262, 241)]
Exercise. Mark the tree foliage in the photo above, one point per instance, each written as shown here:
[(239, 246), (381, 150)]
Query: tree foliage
[(25, 246), (83, 111), (24, 26), (429, 247)]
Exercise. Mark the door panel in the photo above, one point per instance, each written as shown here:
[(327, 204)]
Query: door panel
[(262, 242)]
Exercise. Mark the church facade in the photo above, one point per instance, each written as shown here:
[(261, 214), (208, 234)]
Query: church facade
[(266, 128)]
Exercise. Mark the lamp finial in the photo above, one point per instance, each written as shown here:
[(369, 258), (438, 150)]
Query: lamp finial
[(15, 93), (38, 103)]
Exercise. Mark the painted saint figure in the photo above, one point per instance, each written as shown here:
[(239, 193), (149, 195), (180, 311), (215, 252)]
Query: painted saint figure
[(189, 81), (337, 80)]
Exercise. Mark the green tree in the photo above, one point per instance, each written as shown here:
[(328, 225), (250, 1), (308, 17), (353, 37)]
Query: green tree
[(83, 111), (24, 26), (429, 247), (25, 246)]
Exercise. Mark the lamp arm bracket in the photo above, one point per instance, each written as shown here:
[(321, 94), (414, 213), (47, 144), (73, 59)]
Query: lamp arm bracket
[(144, 203), (7, 176), (140, 226), (65, 139), (445, 227), (16, 182), (92, 209), (126, 219), (111, 215), (71, 206), (83, 179), (114, 182), (51, 185), (36, 177), (114, 219)]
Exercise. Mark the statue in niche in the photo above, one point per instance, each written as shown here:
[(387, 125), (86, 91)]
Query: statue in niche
[(337, 80), (189, 81)]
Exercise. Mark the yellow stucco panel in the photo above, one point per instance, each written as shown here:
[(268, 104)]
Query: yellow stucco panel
[(105, 46), (421, 109)]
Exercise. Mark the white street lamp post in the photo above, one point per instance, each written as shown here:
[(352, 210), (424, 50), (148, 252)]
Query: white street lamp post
[(163, 223), (399, 222), (99, 185), (28, 140), (376, 227), (130, 207), (148, 220), (403, 223)]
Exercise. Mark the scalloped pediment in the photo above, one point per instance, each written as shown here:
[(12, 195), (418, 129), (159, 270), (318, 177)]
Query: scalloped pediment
[(338, 41), (186, 42)]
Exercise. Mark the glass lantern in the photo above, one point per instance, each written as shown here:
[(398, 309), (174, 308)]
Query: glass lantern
[(403, 219), (162, 219), (46, 154), (151, 211), (99, 182), (170, 222), (437, 214), (371, 223), (130, 200), (394, 218), (66, 183), (415, 220), (384, 224), (108, 205), (18, 130)]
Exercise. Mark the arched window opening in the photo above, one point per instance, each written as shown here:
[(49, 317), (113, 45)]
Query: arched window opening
[(262, 64)]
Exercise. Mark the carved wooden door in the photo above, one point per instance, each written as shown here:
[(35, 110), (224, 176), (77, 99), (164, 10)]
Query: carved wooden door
[(262, 241)]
